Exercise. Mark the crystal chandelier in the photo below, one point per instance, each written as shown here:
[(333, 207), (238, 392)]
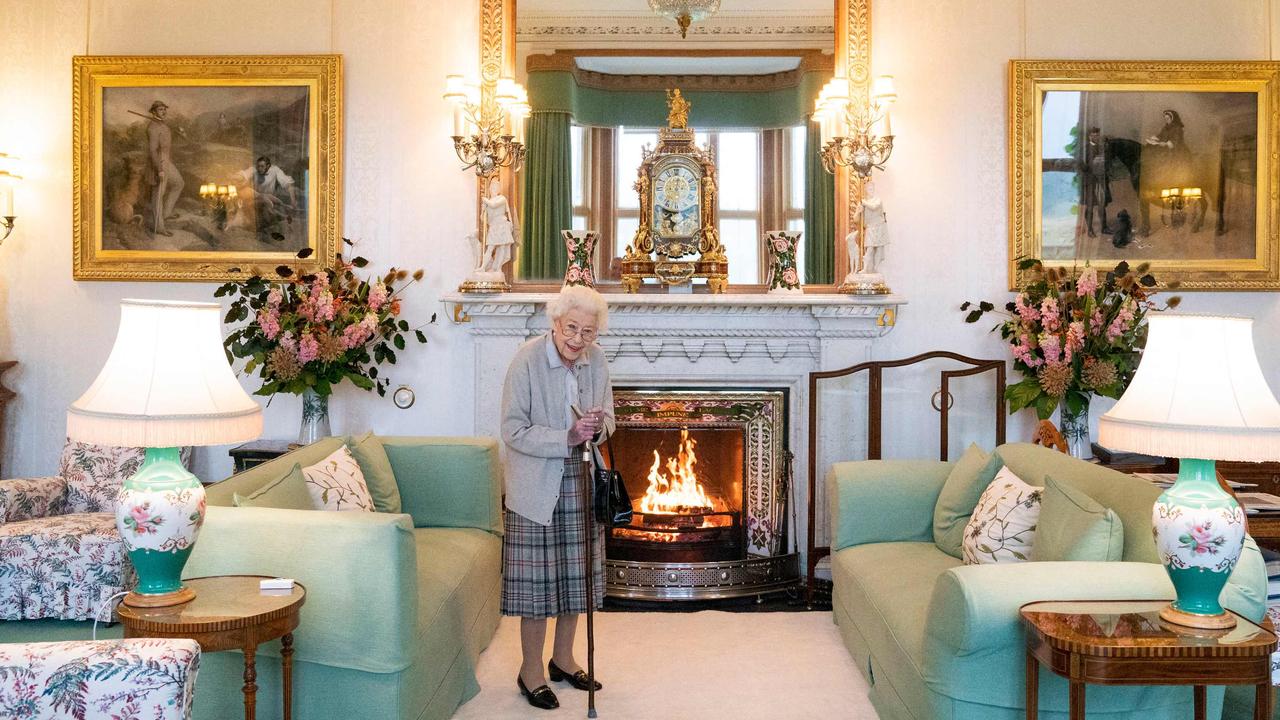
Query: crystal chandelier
[(488, 136), (685, 12), (856, 132)]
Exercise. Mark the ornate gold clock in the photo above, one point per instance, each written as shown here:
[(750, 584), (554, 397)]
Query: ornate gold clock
[(677, 238)]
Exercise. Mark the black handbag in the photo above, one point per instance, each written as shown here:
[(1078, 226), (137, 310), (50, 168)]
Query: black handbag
[(610, 501)]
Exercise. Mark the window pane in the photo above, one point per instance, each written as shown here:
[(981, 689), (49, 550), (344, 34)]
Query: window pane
[(579, 222), (578, 163), (739, 170), (630, 153), (626, 231), (795, 157), (742, 244)]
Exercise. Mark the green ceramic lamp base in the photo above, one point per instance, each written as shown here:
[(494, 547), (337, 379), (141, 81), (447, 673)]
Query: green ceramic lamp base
[(1199, 533), (159, 513)]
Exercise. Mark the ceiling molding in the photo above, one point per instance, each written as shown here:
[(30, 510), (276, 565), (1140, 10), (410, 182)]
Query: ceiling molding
[(549, 29)]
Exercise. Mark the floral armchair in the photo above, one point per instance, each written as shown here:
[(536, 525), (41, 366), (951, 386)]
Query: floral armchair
[(60, 553), (136, 678)]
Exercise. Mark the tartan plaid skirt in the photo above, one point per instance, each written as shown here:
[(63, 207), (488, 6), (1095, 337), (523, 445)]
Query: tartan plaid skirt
[(543, 567)]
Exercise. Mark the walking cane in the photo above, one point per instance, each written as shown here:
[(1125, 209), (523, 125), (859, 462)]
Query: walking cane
[(589, 520)]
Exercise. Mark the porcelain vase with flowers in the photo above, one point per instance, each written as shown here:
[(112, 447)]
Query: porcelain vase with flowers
[(580, 246), (305, 334), (1074, 334), (784, 275)]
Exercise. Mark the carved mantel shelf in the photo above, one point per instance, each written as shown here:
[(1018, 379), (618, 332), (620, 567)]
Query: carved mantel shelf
[(729, 325)]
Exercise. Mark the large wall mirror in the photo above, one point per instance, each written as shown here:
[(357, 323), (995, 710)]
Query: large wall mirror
[(597, 85)]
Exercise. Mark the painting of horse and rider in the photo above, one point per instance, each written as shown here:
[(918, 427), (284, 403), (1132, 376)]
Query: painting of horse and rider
[(1148, 175), (1170, 163)]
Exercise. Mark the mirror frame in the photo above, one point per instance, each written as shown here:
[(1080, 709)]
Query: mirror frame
[(852, 60)]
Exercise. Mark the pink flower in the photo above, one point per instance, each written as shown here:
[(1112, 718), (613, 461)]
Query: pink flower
[(789, 277), (269, 321), (353, 336), (1028, 313), (1051, 346), (274, 297), (1087, 284), (140, 513), (1023, 351), (1096, 322), (1075, 340), (574, 275), (1121, 322), (288, 342), (780, 244), (308, 349), (1049, 314), (377, 296)]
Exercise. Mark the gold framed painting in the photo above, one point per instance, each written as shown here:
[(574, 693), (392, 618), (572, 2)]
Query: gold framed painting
[(205, 168), (1171, 163)]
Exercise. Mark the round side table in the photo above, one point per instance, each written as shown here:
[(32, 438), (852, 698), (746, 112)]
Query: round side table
[(229, 612)]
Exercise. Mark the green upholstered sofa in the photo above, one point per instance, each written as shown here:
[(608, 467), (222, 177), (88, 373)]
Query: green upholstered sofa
[(399, 606), (939, 640)]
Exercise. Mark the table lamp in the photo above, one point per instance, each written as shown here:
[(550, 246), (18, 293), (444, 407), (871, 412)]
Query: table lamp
[(1199, 395), (166, 385)]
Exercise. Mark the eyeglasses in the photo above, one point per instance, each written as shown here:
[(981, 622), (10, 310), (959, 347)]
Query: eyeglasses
[(571, 330)]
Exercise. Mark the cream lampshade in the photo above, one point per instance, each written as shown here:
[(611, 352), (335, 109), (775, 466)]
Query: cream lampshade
[(166, 384), (1199, 395)]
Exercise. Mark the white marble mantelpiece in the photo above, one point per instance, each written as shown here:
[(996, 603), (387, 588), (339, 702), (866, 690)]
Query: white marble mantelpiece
[(658, 340)]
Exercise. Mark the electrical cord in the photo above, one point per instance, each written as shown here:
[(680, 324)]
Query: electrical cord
[(101, 606)]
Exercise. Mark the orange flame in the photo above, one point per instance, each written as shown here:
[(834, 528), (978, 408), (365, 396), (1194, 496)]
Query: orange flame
[(678, 491)]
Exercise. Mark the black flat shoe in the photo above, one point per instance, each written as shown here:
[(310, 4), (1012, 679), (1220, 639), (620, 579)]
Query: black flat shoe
[(578, 679), (541, 697)]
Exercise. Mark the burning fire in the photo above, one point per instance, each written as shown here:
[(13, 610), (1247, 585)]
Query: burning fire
[(677, 492)]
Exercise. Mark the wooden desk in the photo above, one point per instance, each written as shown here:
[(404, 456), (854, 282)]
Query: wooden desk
[(229, 612), (1124, 642)]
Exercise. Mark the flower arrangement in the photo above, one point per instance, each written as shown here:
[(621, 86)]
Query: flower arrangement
[(1074, 333), (311, 332)]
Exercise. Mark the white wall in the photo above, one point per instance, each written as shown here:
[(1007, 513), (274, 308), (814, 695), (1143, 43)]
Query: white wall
[(408, 204)]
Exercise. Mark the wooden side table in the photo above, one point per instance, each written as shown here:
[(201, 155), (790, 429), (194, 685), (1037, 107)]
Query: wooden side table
[(229, 612), (257, 452), (1124, 642)]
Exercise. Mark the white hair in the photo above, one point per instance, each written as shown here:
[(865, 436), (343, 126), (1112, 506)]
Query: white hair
[(580, 297)]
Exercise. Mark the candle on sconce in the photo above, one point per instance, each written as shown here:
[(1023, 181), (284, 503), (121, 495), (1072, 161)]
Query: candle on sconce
[(886, 126), (459, 119)]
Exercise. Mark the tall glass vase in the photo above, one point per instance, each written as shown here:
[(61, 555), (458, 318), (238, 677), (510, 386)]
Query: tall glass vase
[(1075, 430), (315, 417)]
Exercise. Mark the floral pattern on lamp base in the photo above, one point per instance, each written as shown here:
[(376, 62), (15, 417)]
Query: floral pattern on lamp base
[(1199, 533)]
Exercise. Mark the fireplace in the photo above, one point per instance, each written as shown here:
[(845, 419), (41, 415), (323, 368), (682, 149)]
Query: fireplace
[(707, 472)]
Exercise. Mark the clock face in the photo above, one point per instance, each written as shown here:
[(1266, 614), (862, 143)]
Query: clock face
[(675, 202)]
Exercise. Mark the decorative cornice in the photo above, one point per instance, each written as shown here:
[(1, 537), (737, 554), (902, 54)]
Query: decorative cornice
[(723, 83), (547, 28)]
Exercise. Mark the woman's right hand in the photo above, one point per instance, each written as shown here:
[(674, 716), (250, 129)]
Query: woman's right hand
[(584, 428)]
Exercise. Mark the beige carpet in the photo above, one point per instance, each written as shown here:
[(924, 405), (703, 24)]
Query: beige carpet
[(690, 666)]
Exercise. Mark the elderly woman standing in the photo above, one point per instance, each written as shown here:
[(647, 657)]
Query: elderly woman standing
[(556, 398)]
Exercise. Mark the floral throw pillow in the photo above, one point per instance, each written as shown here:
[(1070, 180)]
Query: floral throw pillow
[(1003, 525), (336, 483)]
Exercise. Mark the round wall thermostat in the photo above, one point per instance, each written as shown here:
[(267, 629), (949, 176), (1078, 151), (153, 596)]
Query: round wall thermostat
[(403, 397)]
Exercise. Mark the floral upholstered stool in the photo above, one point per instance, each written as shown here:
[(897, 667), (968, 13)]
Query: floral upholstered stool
[(107, 678)]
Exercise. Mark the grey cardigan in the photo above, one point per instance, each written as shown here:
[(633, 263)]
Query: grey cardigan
[(535, 429)]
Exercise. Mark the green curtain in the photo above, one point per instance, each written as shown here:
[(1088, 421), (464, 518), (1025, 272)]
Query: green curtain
[(819, 214), (548, 203), (557, 90)]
